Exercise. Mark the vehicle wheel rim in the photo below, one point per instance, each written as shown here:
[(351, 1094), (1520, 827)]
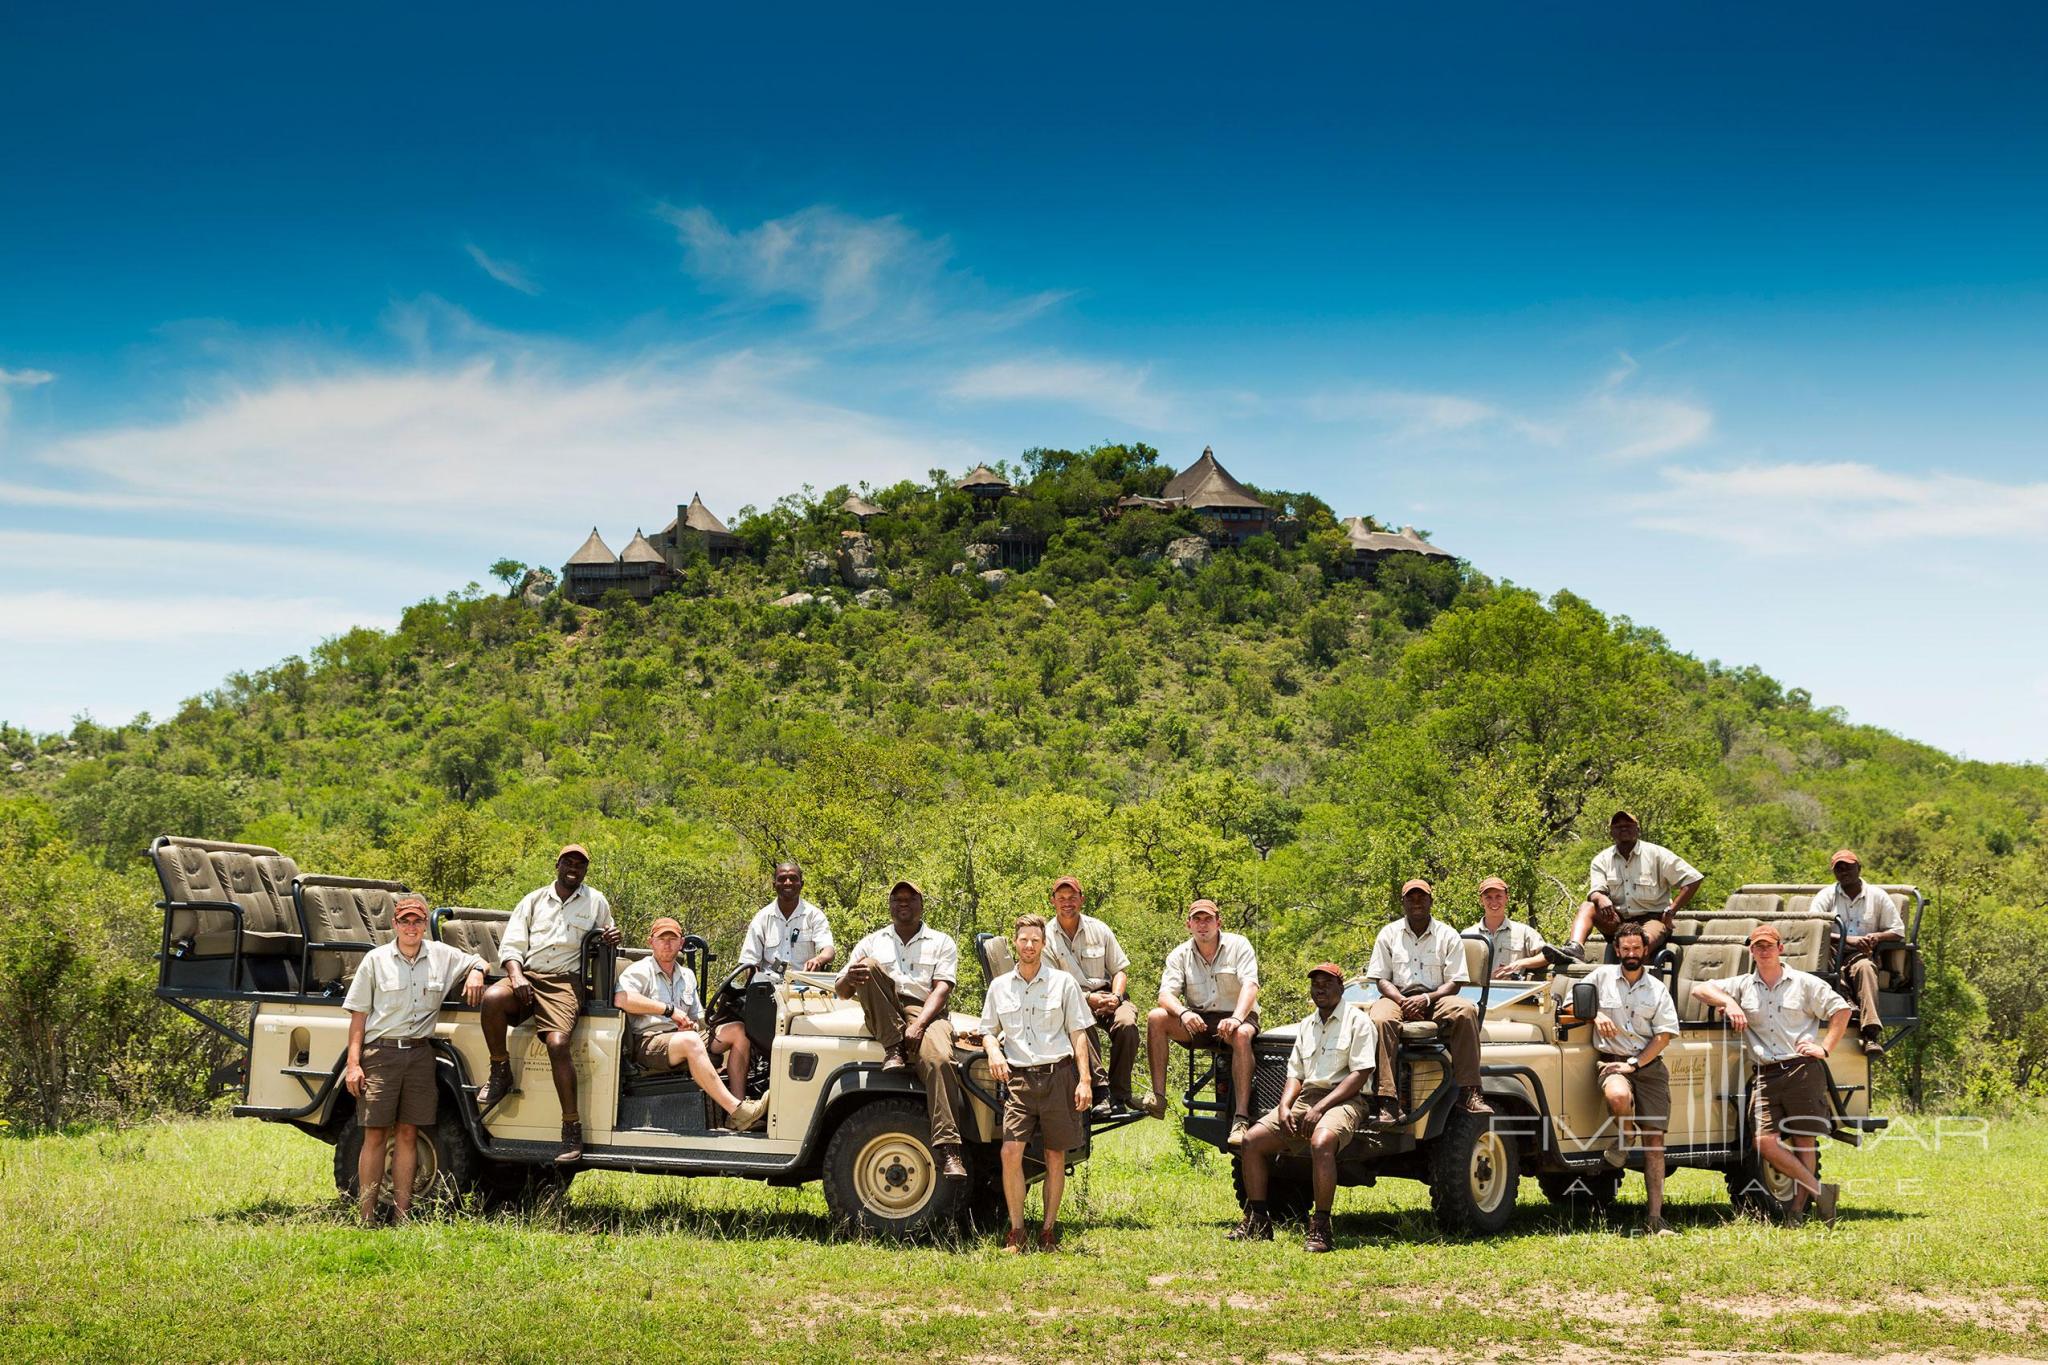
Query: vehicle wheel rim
[(1489, 1173), (1776, 1183), (894, 1175), (427, 1165)]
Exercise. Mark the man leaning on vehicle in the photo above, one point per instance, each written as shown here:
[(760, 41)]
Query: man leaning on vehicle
[(1637, 1021), (393, 1004), (542, 952)]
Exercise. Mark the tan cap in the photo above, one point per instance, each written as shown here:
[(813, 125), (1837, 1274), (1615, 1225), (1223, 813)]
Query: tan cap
[(1623, 815), (1327, 969), (664, 925), (577, 849), (1492, 884), (1769, 931), (1203, 907), (1417, 884), (408, 904), (1068, 880), (1845, 855), (909, 883)]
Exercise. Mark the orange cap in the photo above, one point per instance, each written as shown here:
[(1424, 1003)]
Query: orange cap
[(1068, 880), (1492, 884), (1844, 855), (664, 925), (577, 849), (1203, 907), (1417, 884)]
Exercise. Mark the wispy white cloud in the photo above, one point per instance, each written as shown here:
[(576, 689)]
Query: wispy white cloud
[(80, 555), (1120, 391), (504, 272), (18, 379), (848, 270), (60, 616), (1841, 507), (1407, 414)]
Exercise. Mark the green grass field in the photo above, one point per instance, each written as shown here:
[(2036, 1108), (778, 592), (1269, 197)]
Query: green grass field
[(212, 1240)]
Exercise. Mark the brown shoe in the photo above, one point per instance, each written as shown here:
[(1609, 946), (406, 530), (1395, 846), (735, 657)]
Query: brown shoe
[(1049, 1239), (1873, 1044), (1153, 1106), (1253, 1227), (1830, 1195), (497, 1085), (1014, 1244), (748, 1115), (1795, 1217), (1386, 1113), (1239, 1126), (1472, 1102), (572, 1144), (951, 1167), (1655, 1226), (894, 1058), (1318, 1239)]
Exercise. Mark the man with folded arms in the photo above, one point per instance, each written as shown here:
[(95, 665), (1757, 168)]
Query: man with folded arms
[(1637, 1020), (393, 1004), (542, 951), (1034, 1024), (1517, 947), (665, 1020), (903, 975), (1321, 1107), (1633, 882), (1418, 962), (1086, 949), (788, 933), (1866, 920), (1779, 1010), (1208, 997)]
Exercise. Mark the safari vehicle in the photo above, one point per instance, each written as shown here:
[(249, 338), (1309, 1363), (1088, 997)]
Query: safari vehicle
[(244, 928), (1539, 1073)]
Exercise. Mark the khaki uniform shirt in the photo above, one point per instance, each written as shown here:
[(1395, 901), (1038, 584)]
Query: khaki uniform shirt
[(1873, 912), (776, 941), (403, 999), (1033, 1018), (1513, 941), (1641, 884), (545, 933), (1327, 1051), (1409, 960), (928, 958), (677, 991), (1783, 1016), (1641, 1010), (1092, 956), (1211, 985)]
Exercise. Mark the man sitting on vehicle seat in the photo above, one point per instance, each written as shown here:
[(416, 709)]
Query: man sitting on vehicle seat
[(393, 1004), (1637, 1020), (1033, 1029), (1329, 1074), (1208, 997), (1866, 919), (664, 1017), (1778, 1009), (903, 974), (1632, 882), (1086, 949), (542, 951), (1418, 962), (1517, 948), (788, 932)]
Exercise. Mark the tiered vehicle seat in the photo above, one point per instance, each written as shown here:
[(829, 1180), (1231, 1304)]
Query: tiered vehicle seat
[(342, 918), (225, 928), (476, 931), (1705, 959)]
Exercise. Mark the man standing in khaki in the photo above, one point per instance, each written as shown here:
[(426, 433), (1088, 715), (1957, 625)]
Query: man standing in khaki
[(1637, 1020), (1779, 1009), (788, 933), (1418, 963), (665, 1020), (1517, 947), (1632, 882), (1086, 949), (1320, 1110), (1866, 919), (393, 1004), (542, 951), (1208, 997), (1034, 1024), (903, 974)]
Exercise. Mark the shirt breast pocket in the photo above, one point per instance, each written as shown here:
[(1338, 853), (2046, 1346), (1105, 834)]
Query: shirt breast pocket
[(437, 987)]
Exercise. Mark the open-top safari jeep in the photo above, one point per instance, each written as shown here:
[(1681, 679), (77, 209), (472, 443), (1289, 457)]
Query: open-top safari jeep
[(1539, 1072), (243, 929)]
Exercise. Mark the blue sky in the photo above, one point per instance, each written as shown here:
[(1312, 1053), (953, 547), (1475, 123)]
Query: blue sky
[(1728, 318)]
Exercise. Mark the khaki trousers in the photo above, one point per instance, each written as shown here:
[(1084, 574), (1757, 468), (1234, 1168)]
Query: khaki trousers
[(1123, 1050), (886, 1014), (1458, 1021), (1860, 976)]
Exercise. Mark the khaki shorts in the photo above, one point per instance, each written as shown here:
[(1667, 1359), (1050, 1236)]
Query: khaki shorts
[(398, 1085), (1041, 1100), (557, 999), (1794, 1098), (1214, 1017), (1343, 1121), (650, 1050), (1651, 1087)]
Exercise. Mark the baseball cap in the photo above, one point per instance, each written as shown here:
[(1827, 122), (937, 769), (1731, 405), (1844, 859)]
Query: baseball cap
[(1623, 815), (664, 925), (1069, 880), (1845, 855), (577, 849), (1769, 931), (1417, 884), (909, 883), (1203, 907), (1492, 884), (1327, 969), (408, 905)]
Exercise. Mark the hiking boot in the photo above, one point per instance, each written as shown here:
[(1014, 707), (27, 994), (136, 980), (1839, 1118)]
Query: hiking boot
[(1873, 1043), (572, 1144), (1049, 1238), (497, 1085), (1014, 1243), (1575, 951), (895, 1057), (1617, 1157), (1654, 1226), (748, 1115), (1795, 1217), (1830, 1195), (1253, 1227), (1121, 1102), (1153, 1106), (1103, 1109), (1472, 1102), (1238, 1127), (951, 1167), (1318, 1238)]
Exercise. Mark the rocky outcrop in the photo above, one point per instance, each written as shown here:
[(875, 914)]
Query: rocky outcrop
[(857, 564), (1187, 554), (981, 556), (874, 597), (795, 599), (993, 580), (535, 587), (816, 569)]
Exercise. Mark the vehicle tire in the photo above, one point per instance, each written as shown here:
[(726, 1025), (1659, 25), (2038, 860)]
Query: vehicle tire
[(449, 1166), (1757, 1188), (521, 1185), (984, 1209), (881, 1178), (1580, 1194), (1289, 1196), (1473, 1172)]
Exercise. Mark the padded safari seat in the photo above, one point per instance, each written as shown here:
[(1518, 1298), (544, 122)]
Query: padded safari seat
[(1755, 904), (1707, 960), (478, 931), (341, 918), (219, 898), (1806, 940)]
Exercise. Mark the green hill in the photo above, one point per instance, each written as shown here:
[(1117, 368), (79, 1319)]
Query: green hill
[(1260, 729)]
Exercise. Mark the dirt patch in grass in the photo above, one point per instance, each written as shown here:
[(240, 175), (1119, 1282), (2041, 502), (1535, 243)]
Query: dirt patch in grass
[(2016, 1315)]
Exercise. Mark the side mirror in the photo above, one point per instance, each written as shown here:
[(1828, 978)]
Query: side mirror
[(1585, 1001)]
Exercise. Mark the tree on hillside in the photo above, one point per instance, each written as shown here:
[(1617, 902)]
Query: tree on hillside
[(509, 572)]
